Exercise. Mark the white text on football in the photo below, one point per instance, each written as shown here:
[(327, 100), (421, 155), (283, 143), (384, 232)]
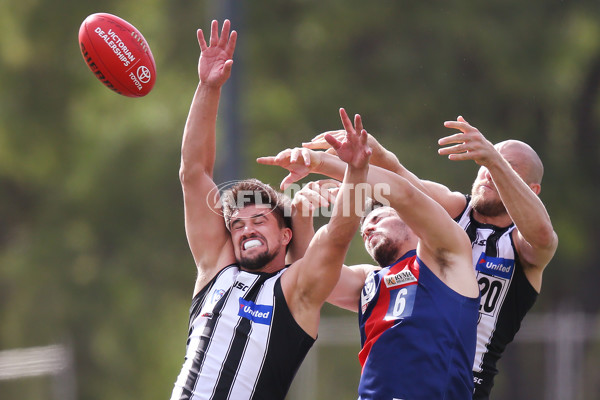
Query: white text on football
[(116, 44)]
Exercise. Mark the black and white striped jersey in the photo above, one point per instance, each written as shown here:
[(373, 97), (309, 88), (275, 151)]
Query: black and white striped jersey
[(243, 342), (506, 295)]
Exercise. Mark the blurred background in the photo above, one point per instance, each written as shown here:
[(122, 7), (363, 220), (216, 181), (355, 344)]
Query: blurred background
[(95, 274)]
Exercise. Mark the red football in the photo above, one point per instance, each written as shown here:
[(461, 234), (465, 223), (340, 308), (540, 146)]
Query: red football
[(117, 53)]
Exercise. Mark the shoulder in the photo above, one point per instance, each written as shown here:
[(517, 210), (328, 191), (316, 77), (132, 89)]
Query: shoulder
[(207, 278), (365, 269)]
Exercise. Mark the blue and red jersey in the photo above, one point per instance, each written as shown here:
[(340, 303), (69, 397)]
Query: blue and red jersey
[(418, 336)]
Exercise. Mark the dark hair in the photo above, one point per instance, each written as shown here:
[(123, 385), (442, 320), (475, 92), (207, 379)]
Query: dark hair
[(263, 194)]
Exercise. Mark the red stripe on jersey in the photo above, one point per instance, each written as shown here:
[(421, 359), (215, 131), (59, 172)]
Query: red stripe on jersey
[(376, 324)]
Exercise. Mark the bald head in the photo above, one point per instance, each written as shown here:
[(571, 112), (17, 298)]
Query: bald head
[(524, 160)]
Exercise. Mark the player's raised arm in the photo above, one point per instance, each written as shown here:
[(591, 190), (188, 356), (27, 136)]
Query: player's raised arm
[(310, 198), (205, 228), (514, 170), (453, 202), (310, 280)]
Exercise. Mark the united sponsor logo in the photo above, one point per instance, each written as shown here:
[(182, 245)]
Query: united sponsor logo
[(259, 313), (501, 267), (400, 278)]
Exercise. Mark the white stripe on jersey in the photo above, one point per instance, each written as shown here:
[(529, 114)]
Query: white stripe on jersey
[(255, 352), (222, 336), (497, 286)]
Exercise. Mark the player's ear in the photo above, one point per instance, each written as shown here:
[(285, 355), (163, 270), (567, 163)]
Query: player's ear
[(536, 187), (286, 234)]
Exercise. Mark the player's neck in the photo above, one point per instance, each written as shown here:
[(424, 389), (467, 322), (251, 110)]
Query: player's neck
[(502, 221)]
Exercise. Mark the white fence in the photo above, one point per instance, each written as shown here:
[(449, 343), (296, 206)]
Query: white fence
[(54, 360)]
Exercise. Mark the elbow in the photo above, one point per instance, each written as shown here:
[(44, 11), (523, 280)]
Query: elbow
[(184, 173), (402, 194), (546, 238), (190, 173)]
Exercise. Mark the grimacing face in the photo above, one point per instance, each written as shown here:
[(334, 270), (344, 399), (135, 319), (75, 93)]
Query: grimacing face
[(256, 236)]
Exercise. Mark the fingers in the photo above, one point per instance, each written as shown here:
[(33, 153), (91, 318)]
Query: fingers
[(201, 40), (286, 157), (222, 41), (459, 148), (270, 160), (457, 138), (231, 43), (306, 155), (346, 121), (227, 68), (333, 142), (287, 181), (358, 127), (319, 193), (314, 196), (363, 137), (320, 145), (305, 201), (214, 33), (328, 188), (319, 142), (461, 124), (352, 131), (300, 154), (461, 119), (225, 41), (280, 159)]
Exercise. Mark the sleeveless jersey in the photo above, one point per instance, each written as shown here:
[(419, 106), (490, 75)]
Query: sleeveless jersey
[(243, 341), (418, 335), (506, 295)]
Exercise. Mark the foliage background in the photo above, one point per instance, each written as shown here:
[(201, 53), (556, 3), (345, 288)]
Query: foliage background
[(92, 246)]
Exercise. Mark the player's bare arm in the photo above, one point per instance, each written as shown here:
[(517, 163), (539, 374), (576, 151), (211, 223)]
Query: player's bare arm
[(206, 232), (310, 280), (428, 219), (322, 193), (311, 197), (443, 244), (381, 157), (453, 202), (535, 238), (324, 163)]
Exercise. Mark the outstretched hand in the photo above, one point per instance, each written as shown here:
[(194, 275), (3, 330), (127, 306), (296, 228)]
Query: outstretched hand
[(299, 162), (319, 143), (353, 147), (216, 60), (469, 144)]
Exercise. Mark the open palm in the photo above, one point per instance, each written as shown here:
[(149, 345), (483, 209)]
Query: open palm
[(214, 66)]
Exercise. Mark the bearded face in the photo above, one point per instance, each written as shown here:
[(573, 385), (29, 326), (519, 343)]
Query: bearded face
[(385, 235), (486, 206), (258, 239), (256, 261), (384, 251), (484, 196)]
